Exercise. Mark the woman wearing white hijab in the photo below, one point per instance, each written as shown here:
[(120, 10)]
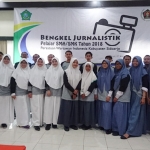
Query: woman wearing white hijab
[(87, 104), (19, 89), (6, 103), (36, 92), (54, 82), (68, 114)]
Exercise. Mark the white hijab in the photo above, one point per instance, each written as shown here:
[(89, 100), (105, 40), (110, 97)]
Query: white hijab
[(37, 75), (87, 77), (5, 72), (21, 75), (54, 75), (73, 74)]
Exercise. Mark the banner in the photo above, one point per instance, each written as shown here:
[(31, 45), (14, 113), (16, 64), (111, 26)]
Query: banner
[(103, 31)]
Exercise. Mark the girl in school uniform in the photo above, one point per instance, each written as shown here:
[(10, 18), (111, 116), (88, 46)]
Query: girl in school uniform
[(68, 114), (104, 103), (19, 91), (87, 102), (6, 103), (122, 93), (139, 89), (36, 92), (54, 82)]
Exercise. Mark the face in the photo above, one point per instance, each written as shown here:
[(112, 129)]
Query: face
[(75, 64), (104, 64), (135, 62), (24, 55), (23, 64), (40, 63), (88, 57), (54, 62), (68, 55), (6, 60), (108, 58), (127, 60), (50, 58), (35, 57), (88, 68), (147, 60), (118, 65), (1, 56)]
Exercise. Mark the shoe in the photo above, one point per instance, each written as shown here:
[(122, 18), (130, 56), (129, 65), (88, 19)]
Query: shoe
[(54, 126), (74, 127), (82, 126), (108, 131), (115, 133), (123, 137), (101, 128), (48, 126), (26, 127), (4, 126), (66, 128), (86, 127), (37, 128)]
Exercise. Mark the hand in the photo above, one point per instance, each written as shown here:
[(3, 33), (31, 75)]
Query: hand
[(75, 92), (13, 97), (142, 101), (74, 96), (30, 95), (96, 97), (115, 100), (83, 96), (148, 100), (48, 93), (108, 99)]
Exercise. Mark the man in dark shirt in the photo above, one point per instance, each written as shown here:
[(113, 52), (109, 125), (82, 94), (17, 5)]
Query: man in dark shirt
[(23, 55), (88, 57), (65, 64), (1, 56), (35, 58), (127, 61)]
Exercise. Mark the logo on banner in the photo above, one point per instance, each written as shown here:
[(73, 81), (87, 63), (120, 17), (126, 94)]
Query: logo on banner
[(26, 15), (146, 14), (117, 34)]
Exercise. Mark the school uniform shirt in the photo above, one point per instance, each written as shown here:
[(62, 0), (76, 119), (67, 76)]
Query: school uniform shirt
[(6, 103), (19, 87), (54, 83), (87, 105), (94, 66), (68, 114), (65, 65), (37, 88)]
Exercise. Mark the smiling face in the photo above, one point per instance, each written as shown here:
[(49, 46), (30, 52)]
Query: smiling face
[(88, 68), (23, 64), (135, 62), (75, 64), (50, 58), (54, 62), (6, 60), (40, 63), (104, 64), (118, 65), (88, 57)]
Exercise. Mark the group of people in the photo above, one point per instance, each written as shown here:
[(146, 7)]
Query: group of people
[(114, 98)]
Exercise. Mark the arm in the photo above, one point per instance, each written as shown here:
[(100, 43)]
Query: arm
[(66, 83), (79, 86), (123, 86), (91, 88), (81, 68), (29, 88), (12, 86), (95, 69)]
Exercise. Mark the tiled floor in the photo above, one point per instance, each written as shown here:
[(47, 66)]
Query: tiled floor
[(58, 139)]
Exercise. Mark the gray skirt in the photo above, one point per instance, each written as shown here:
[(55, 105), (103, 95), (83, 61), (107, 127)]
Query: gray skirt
[(87, 113), (68, 113)]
